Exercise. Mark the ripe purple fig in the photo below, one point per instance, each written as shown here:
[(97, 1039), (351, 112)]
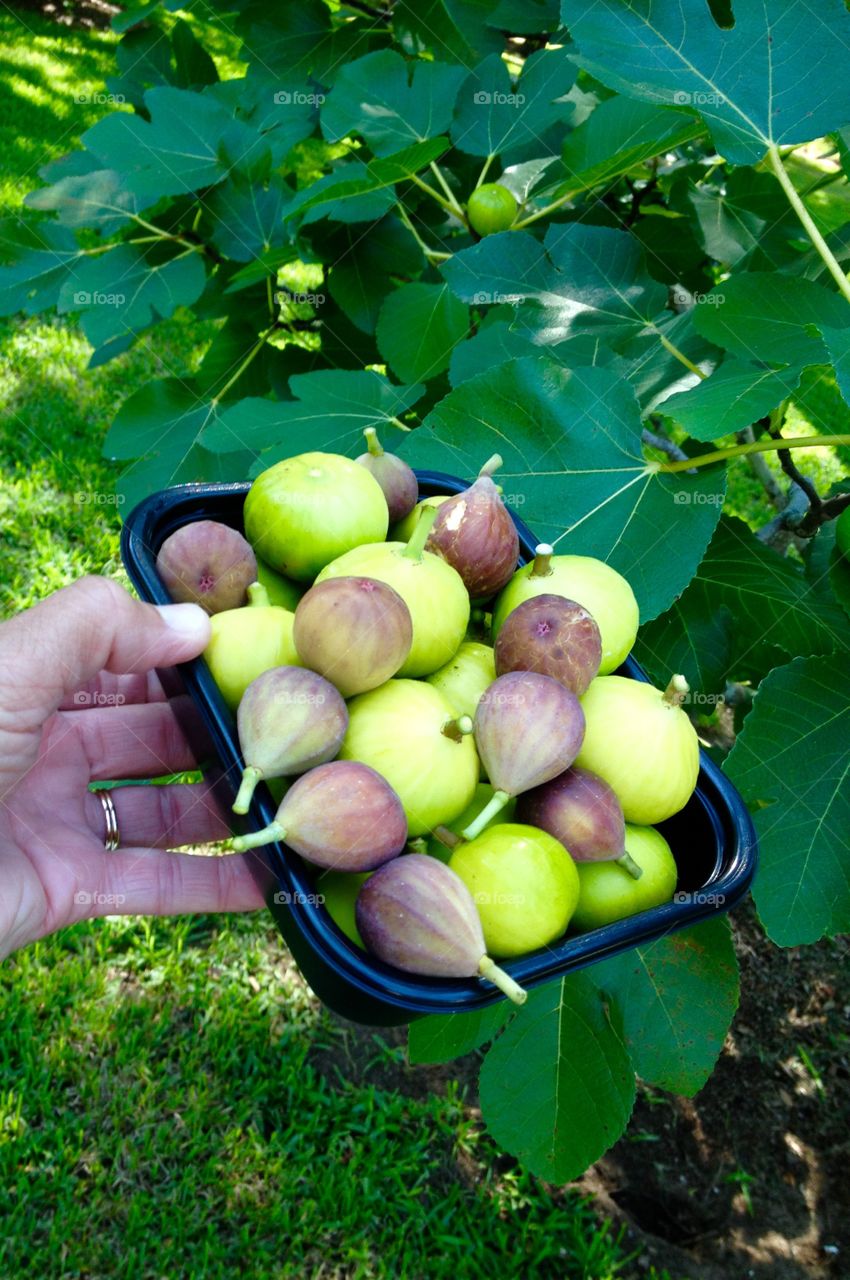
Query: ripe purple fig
[(207, 563), (396, 478), (581, 811), (419, 916), (342, 815), (528, 729), (356, 632), (289, 720), (475, 534), (554, 636)]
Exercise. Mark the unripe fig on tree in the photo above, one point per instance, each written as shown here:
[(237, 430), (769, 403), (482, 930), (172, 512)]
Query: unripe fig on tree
[(397, 480), (581, 811), (289, 720), (403, 530), (248, 641), (474, 533), (356, 632), (417, 915), (466, 677), (305, 511), (341, 815), (281, 591), (554, 636), (207, 563), (414, 738), (432, 590), (524, 884), (641, 742), (607, 892), (528, 729), (491, 207), (605, 594)]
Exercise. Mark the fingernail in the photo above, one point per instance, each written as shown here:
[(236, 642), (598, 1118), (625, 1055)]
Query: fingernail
[(188, 620)]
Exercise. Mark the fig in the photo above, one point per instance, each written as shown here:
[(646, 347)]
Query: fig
[(342, 815), (641, 742), (305, 511), (464, 679), (607, 892), (605, 594), (524, 884), (356, 632), (418, 916), (491, 207), (412, 735), (446, 837), (403, 530), (554, 636), (581, 811), (289, 720), (397, 480), (474, 533), (280, 590), (433, 592), (207, 563), (528, 729), (248, 641), (339, 890)]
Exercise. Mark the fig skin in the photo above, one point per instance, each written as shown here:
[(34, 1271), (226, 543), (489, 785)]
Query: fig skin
[(474, 533), (341, 815), (641, 742), (605, 594), (289, 721), (417, 915), (339, 890), (553, 636), (356, 632), (607, 892), (280, 590), (209, 564), (305, 511), (465, 678), (246, 642), (398, 729), (579, 809), (397, 480), (404, 530)]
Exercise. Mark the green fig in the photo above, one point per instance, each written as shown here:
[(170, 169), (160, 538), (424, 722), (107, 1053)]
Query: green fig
[(402, 530), (466, 676), (281, 591), (607, 892), (248, 641)]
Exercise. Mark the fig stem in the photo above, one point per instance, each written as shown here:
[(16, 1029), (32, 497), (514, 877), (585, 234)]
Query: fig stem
[(676, 691), (417, 845), (257, 595), (491, 465), (627, 862), (373, 443), (251, 775), (490, 970), (419, 537), (458, 728), (447, 837), (274, 831), (542, 567), (494, 805)]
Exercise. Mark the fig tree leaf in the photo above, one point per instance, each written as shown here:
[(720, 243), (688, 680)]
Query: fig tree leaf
[(570, 441), (557, 1087), (418, 326), (506, 267), (838, 346), (377, 98), (362, 266), (770, 317), (294, 41), (247, 218), (525, 17), (735, 396), (690, 638), (378, 176), (616, 137), (193, 66), (764, 80), (493, 344), (99, 198), (34, 276), (749, 213), (676, 997), (494, 117), (453, 29), (282, 117), (442, 1037), (791, 764), (839, 578)]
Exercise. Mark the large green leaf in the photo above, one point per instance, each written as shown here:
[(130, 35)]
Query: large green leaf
[(792, 765), (694, 638), (570, 440), (766, 79), (282, 116), (676, 997), (736, 395), (442, 1037), (294, 41), (418, 328), (39, 263), (377, 98), (494, 117), (247, 218), (838, 346), (493, 344), (748, 217), (616, 137), (354, 180), (363, 263), (98, 199), (769, 317), (452, 29), (557, 1087)]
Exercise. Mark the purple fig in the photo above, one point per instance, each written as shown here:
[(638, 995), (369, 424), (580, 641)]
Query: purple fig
[(207, 563), (475, 534), (396, 478), (553, 636), (356, 632), (583, 812), (419, 916), (528, 729), (289, 720), (342, 815)]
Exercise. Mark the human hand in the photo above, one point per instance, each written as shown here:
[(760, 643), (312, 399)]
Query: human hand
[(80, 702)]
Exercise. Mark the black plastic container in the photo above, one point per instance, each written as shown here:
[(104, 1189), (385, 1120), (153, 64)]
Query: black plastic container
[(713, 838)]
